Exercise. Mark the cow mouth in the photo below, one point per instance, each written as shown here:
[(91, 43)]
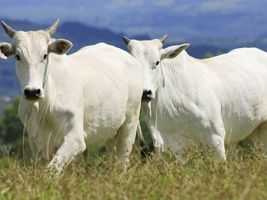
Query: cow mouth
[(33, 98), (146, 98)]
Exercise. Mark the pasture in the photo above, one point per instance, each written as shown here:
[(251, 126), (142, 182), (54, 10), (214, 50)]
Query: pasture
[(161, 177), (72, 101)]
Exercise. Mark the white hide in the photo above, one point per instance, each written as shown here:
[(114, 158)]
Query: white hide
[(90, 97), (213, 102)]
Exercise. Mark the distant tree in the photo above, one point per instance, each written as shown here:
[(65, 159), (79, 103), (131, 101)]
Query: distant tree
[(208, 55), (1, 131), (11, 129), (219, 53)]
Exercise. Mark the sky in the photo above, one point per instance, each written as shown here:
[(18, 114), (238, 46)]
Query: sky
[(130, 16)]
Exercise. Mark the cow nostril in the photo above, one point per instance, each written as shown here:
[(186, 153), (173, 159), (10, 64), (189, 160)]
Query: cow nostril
[(146, 95), (27, 92), (32, 93), (38, 92)]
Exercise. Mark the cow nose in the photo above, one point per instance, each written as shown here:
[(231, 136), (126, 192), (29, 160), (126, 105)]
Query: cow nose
[(147, 95), (148, 92), (32, 93)]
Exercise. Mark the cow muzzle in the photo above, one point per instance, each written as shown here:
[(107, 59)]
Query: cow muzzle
[(33, 94), (147, 95)]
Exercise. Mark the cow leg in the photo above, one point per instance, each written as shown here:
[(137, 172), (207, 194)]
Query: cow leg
[(85, 155), (33, 147), (216, 141), (178, 144), (260, 136), (125, 138), (145, 150), (72, 145), (157, 141), (153, 131), (213, 136), (111, 145)]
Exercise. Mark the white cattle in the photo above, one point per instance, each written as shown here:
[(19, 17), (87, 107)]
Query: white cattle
[(212, 101), (70, 102)]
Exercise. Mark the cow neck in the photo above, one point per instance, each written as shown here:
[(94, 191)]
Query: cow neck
[(175, 76), (172, 72), (48, 84), (154, 110), (154, 105)]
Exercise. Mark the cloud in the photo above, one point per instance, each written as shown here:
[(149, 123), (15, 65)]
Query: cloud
[(164, 2), (222, 6), (122, 4)]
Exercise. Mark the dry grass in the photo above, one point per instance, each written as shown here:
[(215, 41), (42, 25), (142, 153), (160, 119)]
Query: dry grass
[(161, 177)]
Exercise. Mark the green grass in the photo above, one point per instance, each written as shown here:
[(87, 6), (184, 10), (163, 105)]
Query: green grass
[(3, 104), (161, 177)]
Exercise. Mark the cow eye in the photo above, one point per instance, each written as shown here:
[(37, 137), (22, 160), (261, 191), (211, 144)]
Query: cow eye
[(17, 57), (45, 56), (157, 63)]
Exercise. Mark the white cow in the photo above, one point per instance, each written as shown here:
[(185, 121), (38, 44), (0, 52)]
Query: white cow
[(212, 101), (70, 102)]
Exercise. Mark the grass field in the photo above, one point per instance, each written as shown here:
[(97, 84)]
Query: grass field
[(161, 177)]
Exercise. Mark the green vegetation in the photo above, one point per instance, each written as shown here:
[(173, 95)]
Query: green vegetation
[(3, 103), (210, 55), (161, 177), (11, 130), (243, 176)]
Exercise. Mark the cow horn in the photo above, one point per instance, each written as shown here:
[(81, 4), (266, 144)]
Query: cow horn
[(52, 29), (126, 39), (10, 31), (163, 39)]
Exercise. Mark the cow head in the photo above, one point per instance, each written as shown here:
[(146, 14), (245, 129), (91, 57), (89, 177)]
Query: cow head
[(31, 50), (150, 54)]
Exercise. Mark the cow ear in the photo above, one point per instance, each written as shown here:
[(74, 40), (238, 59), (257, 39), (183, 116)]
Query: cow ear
[(59, 46), (6, 50), (173, 51), (126, 40)]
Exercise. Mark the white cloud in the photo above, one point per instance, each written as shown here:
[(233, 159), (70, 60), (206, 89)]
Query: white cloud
[(219, 5), (164, 2), (124, 4)]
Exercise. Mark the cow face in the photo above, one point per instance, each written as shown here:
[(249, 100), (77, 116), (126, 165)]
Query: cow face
[(31, 50), (150, 54)]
